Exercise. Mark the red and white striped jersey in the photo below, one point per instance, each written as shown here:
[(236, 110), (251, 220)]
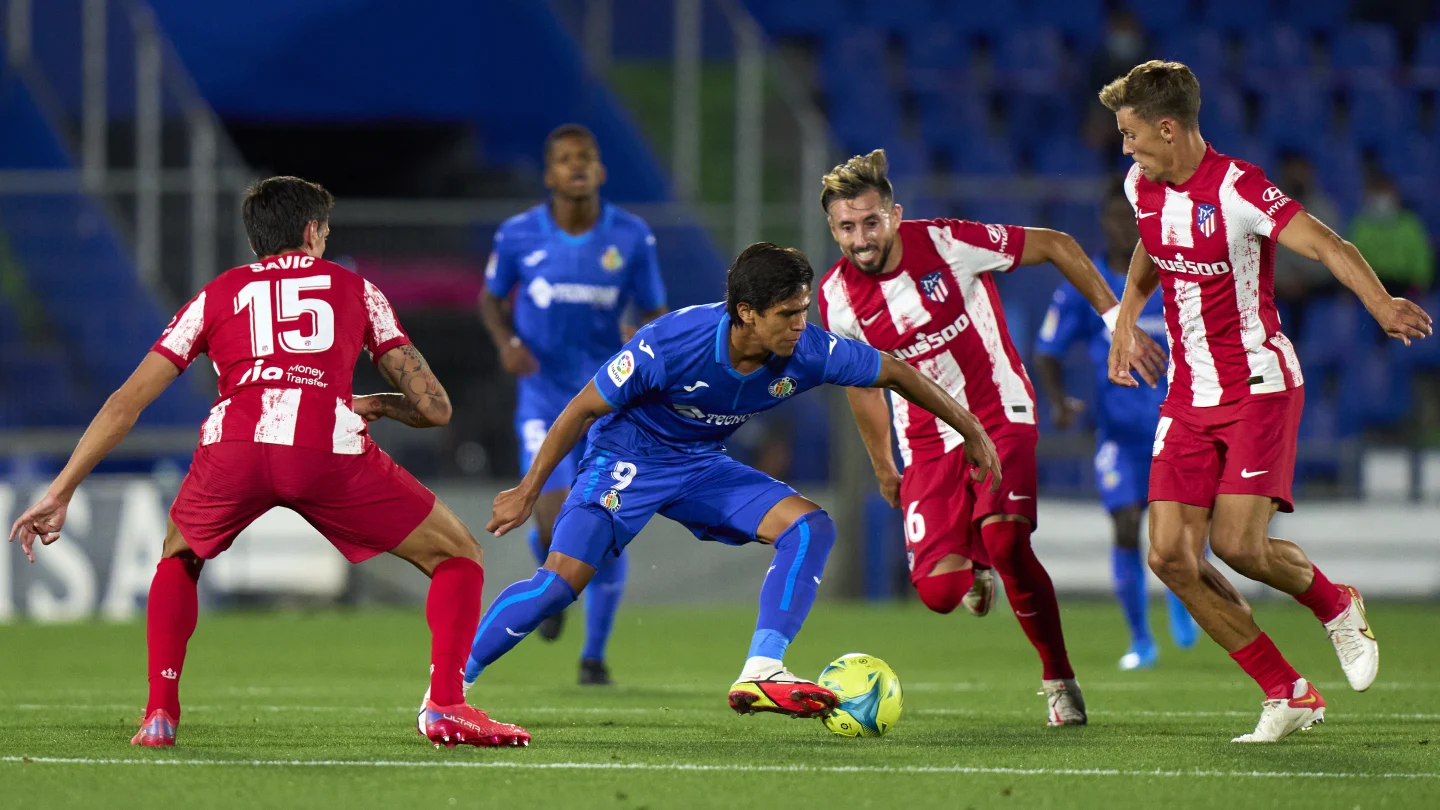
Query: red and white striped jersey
[(1213, 240), (284, 335), (939, 312)]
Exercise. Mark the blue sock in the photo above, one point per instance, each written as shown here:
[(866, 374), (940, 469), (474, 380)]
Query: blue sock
[(1129, 573), (602, 599), (790, 586), (518, 610), (540, 552)]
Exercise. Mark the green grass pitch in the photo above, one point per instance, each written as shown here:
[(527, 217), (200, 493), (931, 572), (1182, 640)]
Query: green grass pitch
[(317, 710)]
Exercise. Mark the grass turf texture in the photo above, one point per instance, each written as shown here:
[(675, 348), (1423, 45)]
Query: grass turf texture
[(341, 686)]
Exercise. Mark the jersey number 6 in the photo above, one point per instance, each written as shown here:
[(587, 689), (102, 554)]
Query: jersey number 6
[(258, 298)]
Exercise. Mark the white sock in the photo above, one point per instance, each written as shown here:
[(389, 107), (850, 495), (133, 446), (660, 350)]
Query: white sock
[(760, 665)]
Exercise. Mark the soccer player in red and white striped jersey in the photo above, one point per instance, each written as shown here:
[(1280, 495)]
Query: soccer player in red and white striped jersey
[(284, 334), (1224, 454), (921, 290)]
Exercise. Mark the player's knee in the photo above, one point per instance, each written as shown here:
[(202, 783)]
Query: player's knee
[(1008, 543), (815, 528), (942, 592), (1250, 559), (1172, 564)]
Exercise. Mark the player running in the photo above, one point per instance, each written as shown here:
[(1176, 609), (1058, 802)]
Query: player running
[(1125, 422), (284, 334), (1224, 450), (921, 290), (664, 405), (573, 264)]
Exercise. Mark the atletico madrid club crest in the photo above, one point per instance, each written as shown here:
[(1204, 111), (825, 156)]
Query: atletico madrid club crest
[(610, 500), (611, 260), (934, 287), (1205, 218), (783, 387)]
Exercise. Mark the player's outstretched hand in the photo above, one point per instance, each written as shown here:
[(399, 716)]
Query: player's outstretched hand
[(1403, 319), (511, 510), (41, 521), (984, 460), (1146, 357), (370, 407), (889, 486), (517, 360), (1122, 344)]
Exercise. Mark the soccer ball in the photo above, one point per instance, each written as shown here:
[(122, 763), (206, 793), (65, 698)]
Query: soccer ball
[(869, 693)]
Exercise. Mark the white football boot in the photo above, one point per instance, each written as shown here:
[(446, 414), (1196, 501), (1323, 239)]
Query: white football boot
[(981, 595), (1067, 704), (1355, 643), (1282, 717)]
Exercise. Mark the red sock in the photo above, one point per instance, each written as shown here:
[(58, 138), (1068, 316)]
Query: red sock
[(170, 617), (942, 593), (1324, 598), (1262, 661), (1031, 594), (453, 611)]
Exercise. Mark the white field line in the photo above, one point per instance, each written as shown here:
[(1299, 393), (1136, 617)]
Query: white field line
[(723, 768)]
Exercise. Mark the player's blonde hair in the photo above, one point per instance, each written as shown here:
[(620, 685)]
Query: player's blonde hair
[(1156, 90), (856, 176)]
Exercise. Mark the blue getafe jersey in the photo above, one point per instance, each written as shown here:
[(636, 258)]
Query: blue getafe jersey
[(1122, 413), (572, 290), (676, 392)]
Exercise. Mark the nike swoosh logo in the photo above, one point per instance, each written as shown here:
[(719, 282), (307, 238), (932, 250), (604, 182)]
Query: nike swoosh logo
[(690, 389), (1308, 700), (1012, 496), (1146, 214), (1247, 474), (515, 634), (869, 320)]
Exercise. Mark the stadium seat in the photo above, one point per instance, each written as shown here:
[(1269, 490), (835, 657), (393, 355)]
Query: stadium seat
[(1340, 167), (1082, 22), (866, 120), (1336, 330), (1378, 115), (936, 59), (1032, 118), (1161, 19), (1203, 50), (1425, 71), (1032, 60), (1374, 391), (1080, 220), (987, 155), (1365, 55), (1067, 157), (989, 19), (1317, 16), (1237, 16), (1412, 158), (900, 16), (948, 121), (1275, 56), (800, 18), (1296, 118), (1222, 116)]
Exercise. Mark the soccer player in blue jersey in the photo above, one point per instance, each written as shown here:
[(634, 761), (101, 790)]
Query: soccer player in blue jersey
[(573, 264), (1125, 421), (662, 408)]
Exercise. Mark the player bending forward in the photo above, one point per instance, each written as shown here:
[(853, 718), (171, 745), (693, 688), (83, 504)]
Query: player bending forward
[(284, 334), (921, 290), (1224, 453), (664, 406)]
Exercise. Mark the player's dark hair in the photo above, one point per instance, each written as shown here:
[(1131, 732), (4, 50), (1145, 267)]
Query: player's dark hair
[(763, 275), (1115, 190), (856, 176), (277, 209), (568, 131), (1156, 90)]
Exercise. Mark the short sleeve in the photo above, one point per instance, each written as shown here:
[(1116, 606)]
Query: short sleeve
[(637, 369), (1266, 209), (1068, 319), (849, 362), (502, 271), (186, 338), (647, 290), (382, 329), (976, 247)]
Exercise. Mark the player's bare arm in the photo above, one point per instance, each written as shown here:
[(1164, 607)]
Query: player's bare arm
[(1064, 409), (515, 357), (1399, 317), (512, 507), (421, 401), (1043, 245), (901, 378), (872, 417), (1140, 284), (115, 419)]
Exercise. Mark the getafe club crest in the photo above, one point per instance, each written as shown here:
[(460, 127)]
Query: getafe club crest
[(611, 260), (934, 287), (610, 500), (1205, 218), (783, 387)]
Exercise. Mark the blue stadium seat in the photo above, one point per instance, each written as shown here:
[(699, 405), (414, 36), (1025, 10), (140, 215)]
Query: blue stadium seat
[(1237, 16), (1374, 391), (1222, 116), (1295, 118), (1031, 59), (866, 119), (1202, 49), (898, 15), (1336, 330), (1065, 156), (1317, 16), (1164, 18), (936, 58), (1365, 55), (948, 121), (990, 19), (1274, 56), (1341, 169), (1001, 212), (1080, 220), (1082, 22), (1032, 118), (987, 155), (1425, 71), (797, 18), (1379, 115), (1321, 429), (857, 50)]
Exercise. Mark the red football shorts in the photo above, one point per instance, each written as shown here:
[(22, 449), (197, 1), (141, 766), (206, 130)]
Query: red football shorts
[(363, 504), (943, 506), (1245, 447)]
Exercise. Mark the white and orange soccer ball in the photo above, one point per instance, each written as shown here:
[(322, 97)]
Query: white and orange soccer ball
[(869, 693)]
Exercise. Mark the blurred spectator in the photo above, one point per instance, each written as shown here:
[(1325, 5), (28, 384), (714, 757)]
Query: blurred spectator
[(1298, 278), (1124, 46), (1393, 239)]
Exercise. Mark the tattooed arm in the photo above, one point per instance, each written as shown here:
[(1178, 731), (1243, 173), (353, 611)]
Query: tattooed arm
[(422, 401)]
